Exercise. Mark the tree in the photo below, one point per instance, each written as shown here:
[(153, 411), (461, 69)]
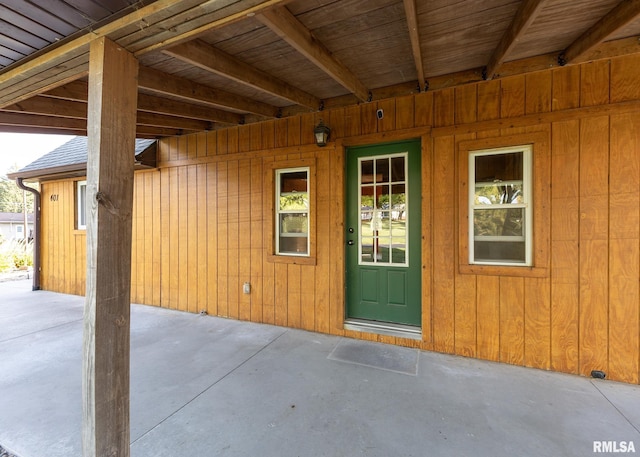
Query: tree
[(11, 198)]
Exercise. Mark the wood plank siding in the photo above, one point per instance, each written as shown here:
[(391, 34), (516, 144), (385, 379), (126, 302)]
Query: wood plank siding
[(201, 221)]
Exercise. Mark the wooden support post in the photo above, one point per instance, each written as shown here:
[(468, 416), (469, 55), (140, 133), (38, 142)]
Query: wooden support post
[(111, 128)]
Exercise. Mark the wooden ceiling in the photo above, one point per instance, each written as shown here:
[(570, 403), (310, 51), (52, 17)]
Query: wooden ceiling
[(206, 64)]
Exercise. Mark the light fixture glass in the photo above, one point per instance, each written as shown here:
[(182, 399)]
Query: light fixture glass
[(321, 133)]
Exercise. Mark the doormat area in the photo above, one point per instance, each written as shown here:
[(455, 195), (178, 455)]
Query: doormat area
[(377, 355)]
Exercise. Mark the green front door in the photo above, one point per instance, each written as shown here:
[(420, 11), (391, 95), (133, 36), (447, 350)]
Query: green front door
[(383, 257)]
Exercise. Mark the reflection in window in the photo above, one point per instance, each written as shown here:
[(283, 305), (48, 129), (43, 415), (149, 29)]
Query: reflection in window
[(292, 211), (383, 210), (500, 206)]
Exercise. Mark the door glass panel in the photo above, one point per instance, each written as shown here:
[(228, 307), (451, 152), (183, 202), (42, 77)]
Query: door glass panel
[(366, 172), (382, 170), (382, 201), (382, 249), (383, 211), (398, 252), (366, 202), (397, 169), (367, 249)]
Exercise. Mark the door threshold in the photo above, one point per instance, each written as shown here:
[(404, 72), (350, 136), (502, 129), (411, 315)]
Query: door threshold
[(384, 328)]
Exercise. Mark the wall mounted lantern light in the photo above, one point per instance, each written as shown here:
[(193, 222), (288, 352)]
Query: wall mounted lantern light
[(321, 133)]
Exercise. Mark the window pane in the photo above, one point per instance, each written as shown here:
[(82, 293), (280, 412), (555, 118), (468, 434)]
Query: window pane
[(382, 200), (398, 250), (366, 172), (398, 199), (499, 167), (499, 251), (293, 202), (366, 202), (295, 181), (292, 211), (367, 249), (293, 245), (367, 226), (382, 170), (82, 205), (293, 223), (497, 194), (382, 253), (498, 222), (397, 169)]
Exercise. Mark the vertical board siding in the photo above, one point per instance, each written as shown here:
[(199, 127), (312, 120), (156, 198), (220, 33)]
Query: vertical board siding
[(200, 226)]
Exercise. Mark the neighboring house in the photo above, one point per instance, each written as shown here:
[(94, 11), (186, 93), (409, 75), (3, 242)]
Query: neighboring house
[(12, 226), (518, 242)]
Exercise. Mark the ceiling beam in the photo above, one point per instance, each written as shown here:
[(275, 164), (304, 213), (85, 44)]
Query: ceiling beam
[(50, 107), (34, 123), (45, 106), (618, 17), (173, 122), (6, 128), (39, 121), (525, 16), (211, 59), (290, 29), (163, 83), (412, 22), (143, 131), (160, 105), (78, 90)]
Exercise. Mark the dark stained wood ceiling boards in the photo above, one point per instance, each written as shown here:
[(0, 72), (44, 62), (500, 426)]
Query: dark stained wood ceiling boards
[(206, 64)]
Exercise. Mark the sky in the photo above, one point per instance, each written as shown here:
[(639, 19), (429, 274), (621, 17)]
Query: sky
[(22, 148)]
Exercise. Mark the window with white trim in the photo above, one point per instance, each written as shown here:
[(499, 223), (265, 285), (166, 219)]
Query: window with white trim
[(292, 212), (81, 205), (500, 206)]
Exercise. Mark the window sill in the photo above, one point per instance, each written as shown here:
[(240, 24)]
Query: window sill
[(291, 259), (504, 270)]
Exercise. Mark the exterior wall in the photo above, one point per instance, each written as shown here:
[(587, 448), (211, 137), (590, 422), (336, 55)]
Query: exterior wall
[(201, 222)]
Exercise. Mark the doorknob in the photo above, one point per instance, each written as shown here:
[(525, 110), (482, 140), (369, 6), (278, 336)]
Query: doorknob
[(350, 242), (350, 229)]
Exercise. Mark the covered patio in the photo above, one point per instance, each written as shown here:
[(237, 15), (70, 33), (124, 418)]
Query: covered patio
[(202, 385), (235, 92)]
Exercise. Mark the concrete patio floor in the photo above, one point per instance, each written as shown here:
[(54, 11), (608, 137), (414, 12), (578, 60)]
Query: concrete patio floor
[(204, 386)]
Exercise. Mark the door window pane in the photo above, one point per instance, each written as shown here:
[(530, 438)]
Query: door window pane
[(397, 169), (366, 172), (383, 210), (382, 170)]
